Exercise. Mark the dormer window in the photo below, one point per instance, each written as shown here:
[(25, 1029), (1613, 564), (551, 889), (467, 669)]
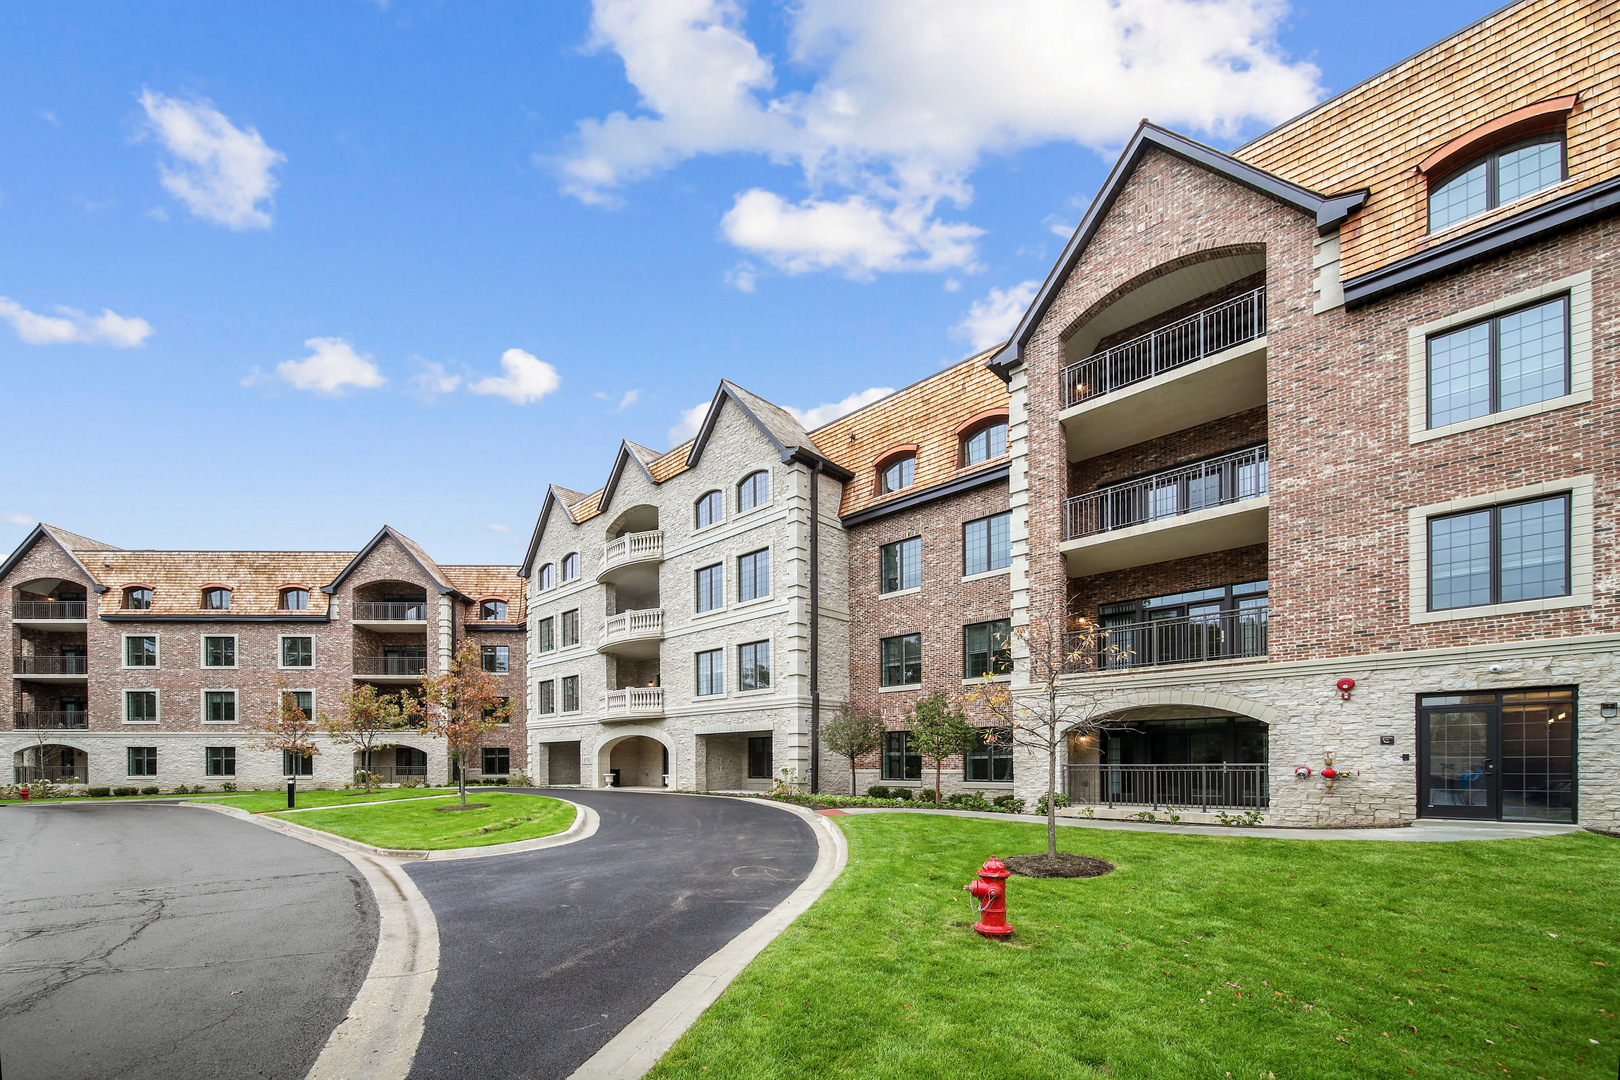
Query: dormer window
[(898, 474), (216, 599), (754, 490), (986, 442), (1501, 176), (570, 566), (548, 576), (294, 600), (137, 598), (711, 508), (492, 611)]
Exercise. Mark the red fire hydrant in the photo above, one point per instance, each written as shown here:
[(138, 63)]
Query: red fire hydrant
[(989, 895)]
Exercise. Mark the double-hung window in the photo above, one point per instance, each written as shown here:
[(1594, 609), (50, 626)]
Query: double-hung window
[(754, 575), (141, 706), (219, 760), (901, 565), (1500, 363), (140, 651), (545, 634), (902, 660), (987, 544), (496, 658), (570, 628), (987, 648), (497, 761), (570, 694), (711, 672), (711, 587), (219, 706), (142, 760), (219, 652), (990, 759), (297, 652), (545, 697), (1500, 554), (754, 666), (901, 758)]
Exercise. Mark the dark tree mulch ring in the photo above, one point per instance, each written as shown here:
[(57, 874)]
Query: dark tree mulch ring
[(469, 806), (1603, 832), (1043, 865)]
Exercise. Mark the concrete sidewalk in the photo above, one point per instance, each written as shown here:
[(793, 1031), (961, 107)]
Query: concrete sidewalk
[(1421, 831)]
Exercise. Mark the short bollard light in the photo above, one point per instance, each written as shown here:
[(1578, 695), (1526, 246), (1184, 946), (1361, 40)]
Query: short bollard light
[(989, 895), (292, 787)]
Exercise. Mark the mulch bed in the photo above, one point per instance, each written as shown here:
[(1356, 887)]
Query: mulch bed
[(1071, 866), (469, 806), (1604, 832)]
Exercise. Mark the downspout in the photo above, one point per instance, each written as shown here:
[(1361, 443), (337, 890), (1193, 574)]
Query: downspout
[(815, 628)]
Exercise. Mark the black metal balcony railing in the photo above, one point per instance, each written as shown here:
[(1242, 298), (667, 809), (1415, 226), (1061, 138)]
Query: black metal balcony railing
[(1194, 787), (56, 774), (52, 721), (1187, 639), (49, 665), (49, 609), (390, 665), (393, 774), (1213, 330), (414, 611), (1230, 478)]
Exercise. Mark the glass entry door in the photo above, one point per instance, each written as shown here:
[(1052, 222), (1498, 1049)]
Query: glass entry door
[(1497, 757)]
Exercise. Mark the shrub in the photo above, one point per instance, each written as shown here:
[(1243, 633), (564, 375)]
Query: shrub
[(183, 790), (969, 800), (126, 791), (1010, 803), (903, 794), (413, 782), (150, 791), (925, 794), (229, 785), (878, 791), (1060, 801), (520, 779), (100, 792)]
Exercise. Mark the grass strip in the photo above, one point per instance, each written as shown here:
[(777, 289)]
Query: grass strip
[(1200, 956), (421, 826), (260, 802)]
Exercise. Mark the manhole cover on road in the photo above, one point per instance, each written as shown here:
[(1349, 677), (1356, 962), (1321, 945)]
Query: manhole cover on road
[(1072, 866)]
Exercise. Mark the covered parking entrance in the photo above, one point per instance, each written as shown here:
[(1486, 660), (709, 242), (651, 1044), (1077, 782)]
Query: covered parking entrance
[(635, 761)]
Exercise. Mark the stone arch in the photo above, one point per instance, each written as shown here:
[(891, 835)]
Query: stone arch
[(1214, 703), (621, 738), (642, 517)]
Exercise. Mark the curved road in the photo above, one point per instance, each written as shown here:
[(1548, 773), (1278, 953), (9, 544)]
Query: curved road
[(149, 940), (544, 956)]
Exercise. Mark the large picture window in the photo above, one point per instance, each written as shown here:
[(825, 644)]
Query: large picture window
[(987, 544), (1500, 363), (902, 565), (1501, 176), (1499, 554), (987, 648), (901, 759), (902, 660)]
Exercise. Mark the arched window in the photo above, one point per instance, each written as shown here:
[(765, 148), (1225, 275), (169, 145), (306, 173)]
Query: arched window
[(1507, 173), (294, 600), (754, 490), (216, 599), (710, 509), (898, 474), (492, 610), (548, 576), (570, 566), (988, 441), (137, 598)]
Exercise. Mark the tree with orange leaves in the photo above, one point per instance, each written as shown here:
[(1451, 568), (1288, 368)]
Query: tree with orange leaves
[(460, 706), (287, 728)]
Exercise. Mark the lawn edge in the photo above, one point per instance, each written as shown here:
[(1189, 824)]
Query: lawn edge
[(633, 1052)]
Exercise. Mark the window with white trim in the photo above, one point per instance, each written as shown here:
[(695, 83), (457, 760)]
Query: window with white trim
[(1500, 363), (901, 565)]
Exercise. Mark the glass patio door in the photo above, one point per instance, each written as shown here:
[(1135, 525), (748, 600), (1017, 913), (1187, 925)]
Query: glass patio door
[(1457, 774), (1498, 757)]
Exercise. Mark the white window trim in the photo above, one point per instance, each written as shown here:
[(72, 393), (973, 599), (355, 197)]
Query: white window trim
[(123, 704), (556, 698), (579, 568), (902, 689), (202, 705), (770, 482), (1579, 287), (769, 640), (537, 575), (899, 592), (1580, 491), (314, 701), (142, 776), (281, 653), (202, 653), (123, 653), (1004, 571)]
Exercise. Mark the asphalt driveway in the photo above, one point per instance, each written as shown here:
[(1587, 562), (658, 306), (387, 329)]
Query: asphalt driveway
[(544, 956), (156, 941)]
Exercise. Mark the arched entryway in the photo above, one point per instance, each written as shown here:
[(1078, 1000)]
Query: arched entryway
[(633, 761), (55, 762)]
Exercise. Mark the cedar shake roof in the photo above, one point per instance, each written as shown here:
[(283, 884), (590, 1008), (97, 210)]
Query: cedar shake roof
[(484, 582), (255, 578), (926, 414), (1375, 134)]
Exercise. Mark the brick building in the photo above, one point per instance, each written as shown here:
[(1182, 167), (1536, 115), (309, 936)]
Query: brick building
[(147, 668)]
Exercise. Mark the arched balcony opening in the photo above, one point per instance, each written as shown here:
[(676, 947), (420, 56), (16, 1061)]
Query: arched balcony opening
[(390, 631), (1171, 757), (52, 762), (50, 644)]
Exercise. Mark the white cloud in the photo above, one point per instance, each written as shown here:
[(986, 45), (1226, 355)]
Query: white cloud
[(822, 415), (434, 380), (497, 528), (629, 398), (527, 379), (691, 421), (50, 118), (743, 276), (892, 122), (18, 519), (990, 320), (70, 326), (220, 171), (331, 366)]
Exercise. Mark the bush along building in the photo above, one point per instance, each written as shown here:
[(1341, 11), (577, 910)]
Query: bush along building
[(1339, 407), (150, 668)]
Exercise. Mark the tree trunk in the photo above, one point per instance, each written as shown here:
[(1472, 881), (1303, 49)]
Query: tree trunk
[(852, 777), (1051, 801), (938, 764), (461, 778)]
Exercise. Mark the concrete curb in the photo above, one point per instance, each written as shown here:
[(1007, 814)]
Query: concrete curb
[(585, 825), (379, 1036), (636, 1049)]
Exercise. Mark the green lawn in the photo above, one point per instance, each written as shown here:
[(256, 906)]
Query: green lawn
[(1200, 956), (420, 826), (261, 802)]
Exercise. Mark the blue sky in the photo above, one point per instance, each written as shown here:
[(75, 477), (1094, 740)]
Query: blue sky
[(272, 275)]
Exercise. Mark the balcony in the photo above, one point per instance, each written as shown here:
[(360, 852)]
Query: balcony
[(1213, 505), (77, 720), (1187, 639), (51, 668), (633, 634), (1206, 366), (390, 668), (634, 702), (624, 555), (1243, 786), (391, 616), (49, 614)]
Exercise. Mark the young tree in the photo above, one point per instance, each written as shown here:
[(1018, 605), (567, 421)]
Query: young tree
[(939, 730), (365, 717), (852, 734), (460, 706), (287, 728), (1044, 712)]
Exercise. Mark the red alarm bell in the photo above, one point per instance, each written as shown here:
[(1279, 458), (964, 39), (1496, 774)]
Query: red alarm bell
[(1345, 686)]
